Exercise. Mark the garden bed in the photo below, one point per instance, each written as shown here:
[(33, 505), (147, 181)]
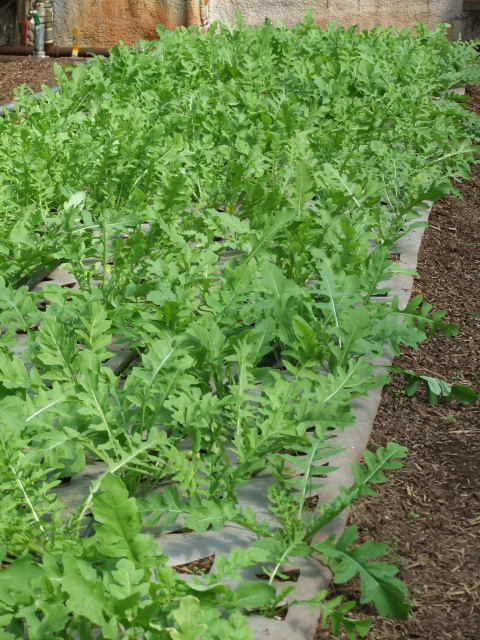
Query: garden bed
[(429, 512), (247, 285)]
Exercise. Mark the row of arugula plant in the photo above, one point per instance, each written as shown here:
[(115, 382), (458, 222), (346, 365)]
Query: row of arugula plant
[(227, 203)]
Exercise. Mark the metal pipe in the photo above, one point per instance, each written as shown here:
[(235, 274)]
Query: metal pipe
[(16, 51), (83, 52), (20, 58), (39, 46), (55, 52), (10, 106), (75, 42), (40, 10), (48, 22)]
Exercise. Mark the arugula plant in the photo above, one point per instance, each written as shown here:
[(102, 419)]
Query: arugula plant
[(435, 388), (226, 203)]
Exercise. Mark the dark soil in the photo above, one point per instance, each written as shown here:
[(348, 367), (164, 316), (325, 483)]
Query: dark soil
[(33, 72), (429, 511), (203, 565)]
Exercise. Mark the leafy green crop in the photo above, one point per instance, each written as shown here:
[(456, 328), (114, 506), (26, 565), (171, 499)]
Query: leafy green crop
[(226, 203), (436, 388)]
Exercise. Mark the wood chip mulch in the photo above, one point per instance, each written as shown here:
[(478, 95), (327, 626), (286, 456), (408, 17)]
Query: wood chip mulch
[(34, 72), (196, 567), (429, 511)]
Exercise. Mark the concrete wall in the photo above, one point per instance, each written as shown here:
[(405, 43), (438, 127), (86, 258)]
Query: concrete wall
[(105, 22), (365, 13)]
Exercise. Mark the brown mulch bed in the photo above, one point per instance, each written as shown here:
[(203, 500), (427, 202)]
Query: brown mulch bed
[(33, 72), (203, 565), (429, 511)]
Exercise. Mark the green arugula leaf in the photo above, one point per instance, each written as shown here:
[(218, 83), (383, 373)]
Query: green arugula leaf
[(253, 595), (187, 619), (378, 583), (117, 534)]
